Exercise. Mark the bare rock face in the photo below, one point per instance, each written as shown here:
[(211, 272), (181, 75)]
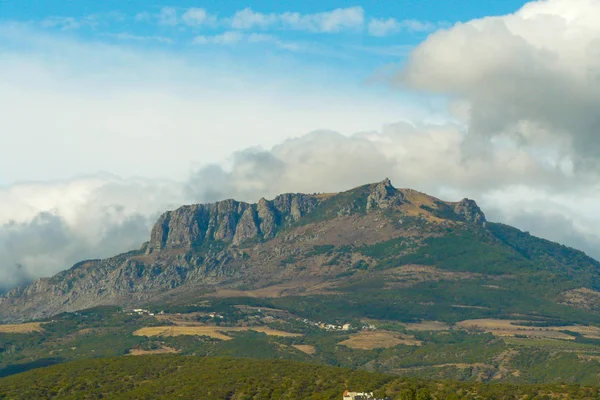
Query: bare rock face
[(384, 195), (228, 221), (292, 207), (470, 211), (247, 227), (267, 218)]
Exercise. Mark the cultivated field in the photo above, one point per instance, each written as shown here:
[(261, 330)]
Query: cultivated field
[(427, 326), (305, 348), (162, 350), (510, 328), (22, 328), (369, 340), (216, 332)]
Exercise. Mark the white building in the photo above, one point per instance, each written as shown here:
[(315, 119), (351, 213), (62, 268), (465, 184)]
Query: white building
[(358, 395)]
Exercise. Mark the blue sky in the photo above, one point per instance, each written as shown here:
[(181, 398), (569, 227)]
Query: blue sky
[(111, 110), (364, 34), (267, 70)]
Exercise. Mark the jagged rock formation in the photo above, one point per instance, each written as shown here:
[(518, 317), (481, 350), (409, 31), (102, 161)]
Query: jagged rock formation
[(228, 220), (232, 243), (384, 195), (470, 211)]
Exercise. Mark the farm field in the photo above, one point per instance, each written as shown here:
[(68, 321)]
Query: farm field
[(369, 340), (22, 328), (216, 332)]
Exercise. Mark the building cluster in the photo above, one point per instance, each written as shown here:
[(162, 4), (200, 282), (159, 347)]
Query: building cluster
[(334, 327), (359, 396), (327, 327), (141, 311)]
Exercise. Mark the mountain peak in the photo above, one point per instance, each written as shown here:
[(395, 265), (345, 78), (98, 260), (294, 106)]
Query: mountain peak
[(384, 195), (387, 183)]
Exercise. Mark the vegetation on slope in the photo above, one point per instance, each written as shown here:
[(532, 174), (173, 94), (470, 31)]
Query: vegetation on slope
[(168, 377)]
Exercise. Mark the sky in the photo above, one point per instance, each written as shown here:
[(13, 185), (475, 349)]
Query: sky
[(112, 112)]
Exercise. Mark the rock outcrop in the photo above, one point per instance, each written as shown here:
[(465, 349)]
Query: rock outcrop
[(383, 196), (470, 211), (227, 221)]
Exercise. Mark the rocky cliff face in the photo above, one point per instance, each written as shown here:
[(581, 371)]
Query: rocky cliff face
[(228, 221), (470, 211), (232, 243)]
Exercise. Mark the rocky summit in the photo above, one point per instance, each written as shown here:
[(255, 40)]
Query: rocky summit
[(308, 245)]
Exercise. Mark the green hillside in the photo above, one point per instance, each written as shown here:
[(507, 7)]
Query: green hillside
[(169, 377)]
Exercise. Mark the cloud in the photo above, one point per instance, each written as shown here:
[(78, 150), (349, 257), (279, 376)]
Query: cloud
[(139, 38), (340, 19), (47, 227), (248, 19), (385, 27), (334, 21), (532, 77), (197, 17), (230, 38), (168, 16), (64, 23), (427, 157), (328, 22), (226, 38), (77, 100)]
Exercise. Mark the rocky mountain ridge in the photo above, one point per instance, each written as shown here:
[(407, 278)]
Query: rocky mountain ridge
[(231, 244)]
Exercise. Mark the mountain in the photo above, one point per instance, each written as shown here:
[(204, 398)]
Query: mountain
[(374, 251)]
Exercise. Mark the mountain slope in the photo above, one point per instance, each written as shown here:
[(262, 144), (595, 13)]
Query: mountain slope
[(372, 251), (168, 377)]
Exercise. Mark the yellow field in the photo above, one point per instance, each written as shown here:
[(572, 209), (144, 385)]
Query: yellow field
[(22, 328), (369, 340), (216, 332), (305, 348), (427, 326), (162, 350), (508, 328)]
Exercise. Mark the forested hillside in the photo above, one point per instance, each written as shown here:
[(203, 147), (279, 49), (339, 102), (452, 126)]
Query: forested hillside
[(170, 377)]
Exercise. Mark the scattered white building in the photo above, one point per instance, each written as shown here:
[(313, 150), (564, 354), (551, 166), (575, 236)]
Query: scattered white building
[(358, 395)]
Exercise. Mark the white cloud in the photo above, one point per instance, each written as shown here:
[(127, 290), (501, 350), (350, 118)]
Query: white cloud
[(64, 23), (197, 17), (385, 27), (248, 19), (139, 38), (144, 16), (47, 227), (328, 22), (532, 77), (226, 38), (168, 16), (337, 20), (95, 107)]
